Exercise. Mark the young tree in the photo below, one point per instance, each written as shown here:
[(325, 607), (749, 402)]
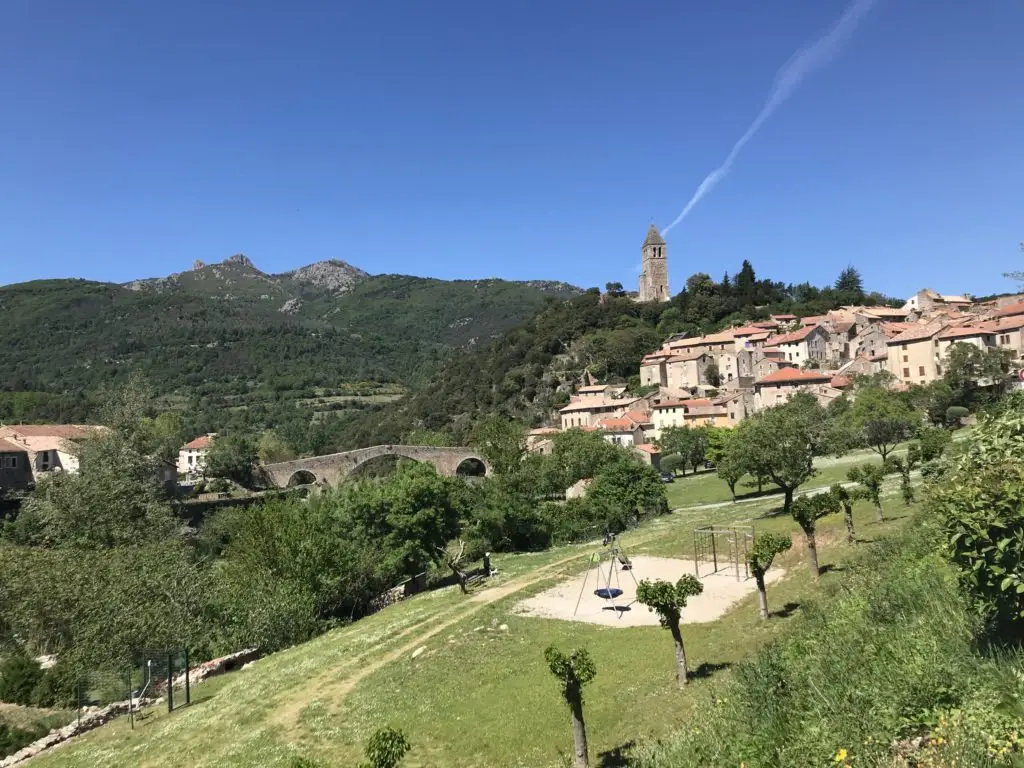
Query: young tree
[(730, 468), (869, 478), (845, 499), (905, 466), (502, 442), (882, 419), (780, 443), (668, 601), (673, 463), (712, 374), (233, 457), (933, 442), (766, 547), (678, 441), (807, 510), (698, 446), (573, 672), (577, 455), (386, 748)]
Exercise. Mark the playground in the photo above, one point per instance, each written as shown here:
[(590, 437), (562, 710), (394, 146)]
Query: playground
[(605, 593)]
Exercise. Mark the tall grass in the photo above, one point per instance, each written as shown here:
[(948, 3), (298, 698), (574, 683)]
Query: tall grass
[(883, 664)]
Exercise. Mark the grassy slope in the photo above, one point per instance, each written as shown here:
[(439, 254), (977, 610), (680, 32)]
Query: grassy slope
[(475, 696)]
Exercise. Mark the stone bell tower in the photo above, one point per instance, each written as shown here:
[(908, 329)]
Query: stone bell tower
[(654, 277)]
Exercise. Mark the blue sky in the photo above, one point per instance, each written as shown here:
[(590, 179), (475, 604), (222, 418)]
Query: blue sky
[(523, 140)]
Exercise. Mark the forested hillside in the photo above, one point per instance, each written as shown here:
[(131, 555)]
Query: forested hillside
[(229, 334), (531, 369)]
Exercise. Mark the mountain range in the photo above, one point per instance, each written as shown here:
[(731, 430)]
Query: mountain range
[(231, 328)]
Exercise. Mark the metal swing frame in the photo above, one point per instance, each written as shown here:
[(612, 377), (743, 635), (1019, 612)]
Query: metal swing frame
[(739, 541), (614, 555)]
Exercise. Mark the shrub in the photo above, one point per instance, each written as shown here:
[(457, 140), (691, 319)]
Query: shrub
[(19, 676), (13, 739)]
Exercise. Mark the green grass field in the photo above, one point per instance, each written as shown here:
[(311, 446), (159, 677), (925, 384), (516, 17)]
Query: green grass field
[(706, 488), (477, 695)]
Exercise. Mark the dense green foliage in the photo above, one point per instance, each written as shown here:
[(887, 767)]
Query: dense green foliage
[(386, 748)]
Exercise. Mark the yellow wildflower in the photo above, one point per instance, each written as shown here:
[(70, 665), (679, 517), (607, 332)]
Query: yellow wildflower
[(840, 755)]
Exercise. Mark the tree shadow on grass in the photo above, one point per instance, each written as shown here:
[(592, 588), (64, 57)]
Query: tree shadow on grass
[(786, 611), (617, 757), (706, 670), (831, 568)]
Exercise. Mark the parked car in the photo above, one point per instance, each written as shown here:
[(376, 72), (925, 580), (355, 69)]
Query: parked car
[(709, 465), (667, 477)]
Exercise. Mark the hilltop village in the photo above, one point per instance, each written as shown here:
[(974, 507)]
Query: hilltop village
[(722, 378)]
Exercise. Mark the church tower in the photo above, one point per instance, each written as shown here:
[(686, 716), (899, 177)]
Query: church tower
[(654, 277)]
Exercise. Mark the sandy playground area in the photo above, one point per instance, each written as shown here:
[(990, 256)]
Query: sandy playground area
[(721, 592)]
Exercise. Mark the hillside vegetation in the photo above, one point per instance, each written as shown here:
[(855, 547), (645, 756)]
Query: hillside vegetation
[(227, 335)]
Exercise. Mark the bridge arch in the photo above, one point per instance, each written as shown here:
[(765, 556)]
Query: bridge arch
[(301, 477), (334, 468)]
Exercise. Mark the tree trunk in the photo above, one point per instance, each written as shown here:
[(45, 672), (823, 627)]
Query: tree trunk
[(762, 595), (732, 490), (851, 537), (812, 555), (878, 510), (787, 501), (681, 674), (579, 728)]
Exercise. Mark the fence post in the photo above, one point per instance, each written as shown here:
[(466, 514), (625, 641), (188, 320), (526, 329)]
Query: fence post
[(714, 551), (188, 689), (131, 714), (170, 682)]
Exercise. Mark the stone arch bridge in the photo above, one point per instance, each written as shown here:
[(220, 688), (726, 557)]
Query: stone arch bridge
[(333, 468)]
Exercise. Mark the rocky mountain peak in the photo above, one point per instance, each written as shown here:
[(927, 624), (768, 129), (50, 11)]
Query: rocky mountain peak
[(333, 275), (240, 259)]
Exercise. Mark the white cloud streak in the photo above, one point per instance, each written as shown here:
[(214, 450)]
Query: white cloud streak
[(787, 80)]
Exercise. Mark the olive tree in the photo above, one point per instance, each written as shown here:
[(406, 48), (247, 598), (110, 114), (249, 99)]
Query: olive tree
[(668, 601), (766, 547), (807, 510), (845, 499), (573, 672), (780, 444), (869, 479)]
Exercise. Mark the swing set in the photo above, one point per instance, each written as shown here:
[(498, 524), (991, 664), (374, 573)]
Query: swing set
[(726, 549), (606, 565)]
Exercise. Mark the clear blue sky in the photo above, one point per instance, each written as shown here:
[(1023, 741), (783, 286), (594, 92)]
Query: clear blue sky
[(521, 139)]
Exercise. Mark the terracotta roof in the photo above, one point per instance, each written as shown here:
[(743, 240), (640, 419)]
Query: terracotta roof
[(794, 376), (884, 311), (792, 338), (1007, 323), (6, 446), (966, 332), (917, 333), (766, 324), (203, 441), (844, 327), (617, 424), (895, 329), (699, 341), (640, 417), (1011, 309), (746, 330), (783, 317), (813, 320), (593, 388), (840, 381), (647, 448)]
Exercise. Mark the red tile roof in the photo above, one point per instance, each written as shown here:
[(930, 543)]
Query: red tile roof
[(884, 311), (813, 320), (6, 446), (640, 417), (794, 376), (966, 332), (917, 333), (769, 324), (1011, 309), (746, 330), (783, 317), (791, 338), (203, 441), (617, 424), (895, 329), (840, 381), (691, 403), (647, 448), (1007, 323)]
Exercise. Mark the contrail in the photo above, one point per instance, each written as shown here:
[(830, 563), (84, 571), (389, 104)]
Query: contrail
[(793, 72)]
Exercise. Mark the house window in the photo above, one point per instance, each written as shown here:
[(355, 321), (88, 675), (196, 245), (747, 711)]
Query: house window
[(906, 373), (904, 358), (938, 369), (920, 370), (905, 346), (10, 462)]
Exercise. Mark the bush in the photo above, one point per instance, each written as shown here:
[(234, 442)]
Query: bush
[(19, 676), (14, 739)]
